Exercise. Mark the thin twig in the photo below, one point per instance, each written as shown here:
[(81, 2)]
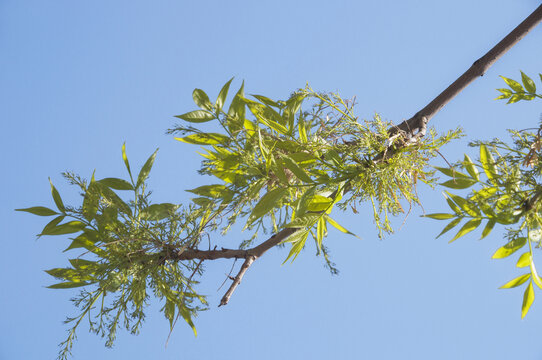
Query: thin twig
[(237, 279)]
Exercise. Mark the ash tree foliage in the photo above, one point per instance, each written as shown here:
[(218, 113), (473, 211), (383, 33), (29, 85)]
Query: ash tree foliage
[(505, 190), (283, 169)]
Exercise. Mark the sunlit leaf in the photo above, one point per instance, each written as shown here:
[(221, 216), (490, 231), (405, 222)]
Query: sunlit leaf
[(197, 116), (304, 221), (117, 184), (339, 227), (510, 248), (450, 226), (202, 100), (125, 159), (39, 210), (319, 203), (451, 172), (298, 240), (146, 169), (56, 197), (528, 298), (269, 201), (467, 206), (67, 228), (296, 169), (528, 83), (516, 281), (488, 162), (524, 260), (459, 183), (487, 229), (514, 85), (439, 216), (70, 284), (156, 212), (467, 228), (222, 96), (471, 168), (320, 231), (204, 139)]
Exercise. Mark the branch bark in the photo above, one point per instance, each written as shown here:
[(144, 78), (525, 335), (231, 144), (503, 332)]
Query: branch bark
[(414, 128), (478, 68)]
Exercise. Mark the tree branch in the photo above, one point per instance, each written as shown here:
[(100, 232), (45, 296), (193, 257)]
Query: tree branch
[(478, 68)]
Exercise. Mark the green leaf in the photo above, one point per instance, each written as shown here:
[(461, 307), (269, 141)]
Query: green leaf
[(515, 98), (489, 226), (115, 200), (265, 100), (197, 116), (528, 83), (70, 274), (70, 284), (320, 232), (157, 212), (505, 92), (516, 281), (51, 225), (237, 111), (524, 260), (510, 248), (339, 227), (488, 162), (146, 169), (514, 85), (267, 203), (467, 228), (56, 197), (202, 100), (296, 169), (298, 240), (467, 206), (125, 158), (91, 200), (212, 191), (222, 96), (452, 205), (459, 183), (528, 298), (451, 172), (67, 228), (304, 221), (204, 139), (39, 210), (471, 168), (117, 184), (87, 240), (449, 227), (439, 216), (319, 203)]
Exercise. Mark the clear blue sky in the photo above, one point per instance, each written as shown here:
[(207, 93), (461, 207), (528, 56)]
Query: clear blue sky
[(80, 78)]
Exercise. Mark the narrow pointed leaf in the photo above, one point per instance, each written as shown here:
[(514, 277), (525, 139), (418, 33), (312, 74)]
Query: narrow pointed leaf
[(467, 228), (296, 169), (516, 281), (514, 85), (146, 169), (117, 184), (510, 248), (221, 99), (267, 203), (202, 100), (449, 227), (471, 168), (439, 216), (70, 284), (528, 83), (528, 298), (487, 229), (459, 183), (451, 172), (125, 159), (39, 210), (204, 139), (56, 197), (197, 116), (339, 227), (298, 241), (488, 162), (524, 260)]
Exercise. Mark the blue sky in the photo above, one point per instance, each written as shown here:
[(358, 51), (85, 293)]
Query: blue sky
[(80, 78)]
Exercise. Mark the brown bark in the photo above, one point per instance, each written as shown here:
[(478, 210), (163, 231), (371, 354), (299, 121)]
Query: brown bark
[(413, 128)]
